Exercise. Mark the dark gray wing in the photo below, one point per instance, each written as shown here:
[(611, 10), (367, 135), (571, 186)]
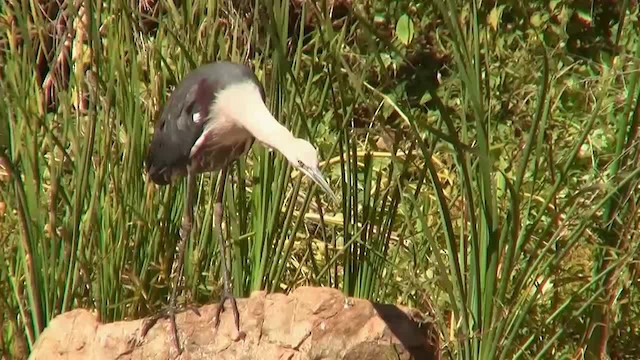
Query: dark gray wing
[(175, 131)]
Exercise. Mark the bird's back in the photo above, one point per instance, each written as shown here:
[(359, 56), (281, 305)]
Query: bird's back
[(186, 116)]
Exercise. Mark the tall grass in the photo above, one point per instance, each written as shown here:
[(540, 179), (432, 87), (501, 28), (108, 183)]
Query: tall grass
[(457, 215), (522, 222)]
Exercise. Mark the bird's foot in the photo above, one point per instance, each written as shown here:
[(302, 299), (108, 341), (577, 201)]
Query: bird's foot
[(236, 314), (168, 312)]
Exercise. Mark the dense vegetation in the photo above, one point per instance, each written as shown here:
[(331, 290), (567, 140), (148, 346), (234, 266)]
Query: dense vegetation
[(485, 155)]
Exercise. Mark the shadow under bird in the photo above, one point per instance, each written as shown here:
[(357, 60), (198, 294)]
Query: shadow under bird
[(212, 118)]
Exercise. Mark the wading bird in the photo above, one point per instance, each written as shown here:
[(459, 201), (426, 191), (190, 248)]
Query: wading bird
[(211, 119)]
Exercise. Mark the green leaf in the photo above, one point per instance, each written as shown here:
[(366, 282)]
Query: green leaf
[(404, 29)]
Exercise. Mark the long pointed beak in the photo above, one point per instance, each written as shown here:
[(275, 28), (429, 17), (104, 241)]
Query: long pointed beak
[(317, 177)]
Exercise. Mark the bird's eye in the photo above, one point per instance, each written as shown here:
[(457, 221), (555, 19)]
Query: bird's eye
[(301, 163)]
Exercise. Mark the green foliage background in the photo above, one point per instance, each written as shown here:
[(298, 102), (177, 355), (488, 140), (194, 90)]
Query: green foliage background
[(485, 155)]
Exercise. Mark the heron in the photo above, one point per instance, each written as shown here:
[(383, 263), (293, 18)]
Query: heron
[(211, 119)]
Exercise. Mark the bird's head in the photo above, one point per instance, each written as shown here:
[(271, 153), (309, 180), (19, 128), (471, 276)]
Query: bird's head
[(304, 157)]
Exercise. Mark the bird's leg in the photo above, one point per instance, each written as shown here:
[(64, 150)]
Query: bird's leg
[(177, 267), (217, 219)]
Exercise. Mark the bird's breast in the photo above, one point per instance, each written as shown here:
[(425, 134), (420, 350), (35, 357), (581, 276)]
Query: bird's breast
[(221, 143)]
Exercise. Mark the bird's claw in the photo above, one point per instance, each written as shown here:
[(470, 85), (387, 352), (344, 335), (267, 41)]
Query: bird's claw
[(170, 313), (234, 307)]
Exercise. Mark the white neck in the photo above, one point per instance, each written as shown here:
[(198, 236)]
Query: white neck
[(244, 104)]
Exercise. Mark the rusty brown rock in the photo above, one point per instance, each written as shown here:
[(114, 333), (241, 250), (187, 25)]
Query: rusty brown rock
[(308, 324)]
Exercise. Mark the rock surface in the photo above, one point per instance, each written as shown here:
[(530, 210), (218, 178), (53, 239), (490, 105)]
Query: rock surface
[(310, 323)]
